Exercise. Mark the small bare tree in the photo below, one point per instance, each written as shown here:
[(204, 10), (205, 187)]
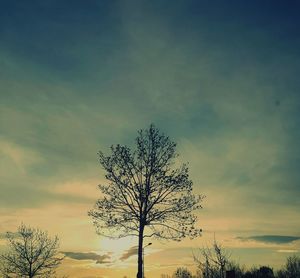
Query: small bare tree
[(291, 268), (146, 196), (31, 253), (213, 261)]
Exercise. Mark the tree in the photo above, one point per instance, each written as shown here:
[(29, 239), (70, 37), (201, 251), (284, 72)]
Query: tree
[(182, 272), (236, 268), (146, 195), (265, 272), (31, 253), (292, 268), (261, 272), (212, 262)]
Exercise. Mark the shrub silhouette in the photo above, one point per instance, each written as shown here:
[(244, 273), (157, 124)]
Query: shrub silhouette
[(182, 272)]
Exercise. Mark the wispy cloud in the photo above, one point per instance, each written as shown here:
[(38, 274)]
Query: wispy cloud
[(279, 239), (99, 259), (287, 251), (18, 196), (128, 253)]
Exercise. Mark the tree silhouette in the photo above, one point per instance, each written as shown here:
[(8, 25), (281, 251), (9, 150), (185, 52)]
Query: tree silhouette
[(212, 262), (182, 272), (146, 195), (291, 269), (31, 254)]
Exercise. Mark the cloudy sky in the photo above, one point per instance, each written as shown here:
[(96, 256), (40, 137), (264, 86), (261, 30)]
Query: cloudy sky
[(220, 78)]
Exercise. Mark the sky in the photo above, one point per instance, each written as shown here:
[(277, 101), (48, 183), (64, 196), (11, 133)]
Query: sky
[(221, 78)]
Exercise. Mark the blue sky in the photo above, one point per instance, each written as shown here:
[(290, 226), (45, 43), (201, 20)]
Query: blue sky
[(221, 79)]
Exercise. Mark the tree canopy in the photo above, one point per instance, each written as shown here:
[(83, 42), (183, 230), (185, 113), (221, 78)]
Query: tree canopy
[(31, 253)]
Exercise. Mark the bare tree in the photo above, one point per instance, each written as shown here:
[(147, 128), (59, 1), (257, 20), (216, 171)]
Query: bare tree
[(31, 253), (146, 196), (291, 269), (213, 261)]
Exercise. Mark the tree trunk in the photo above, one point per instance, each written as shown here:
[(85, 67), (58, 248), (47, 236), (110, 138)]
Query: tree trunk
[(30, 271), (140, 253)]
